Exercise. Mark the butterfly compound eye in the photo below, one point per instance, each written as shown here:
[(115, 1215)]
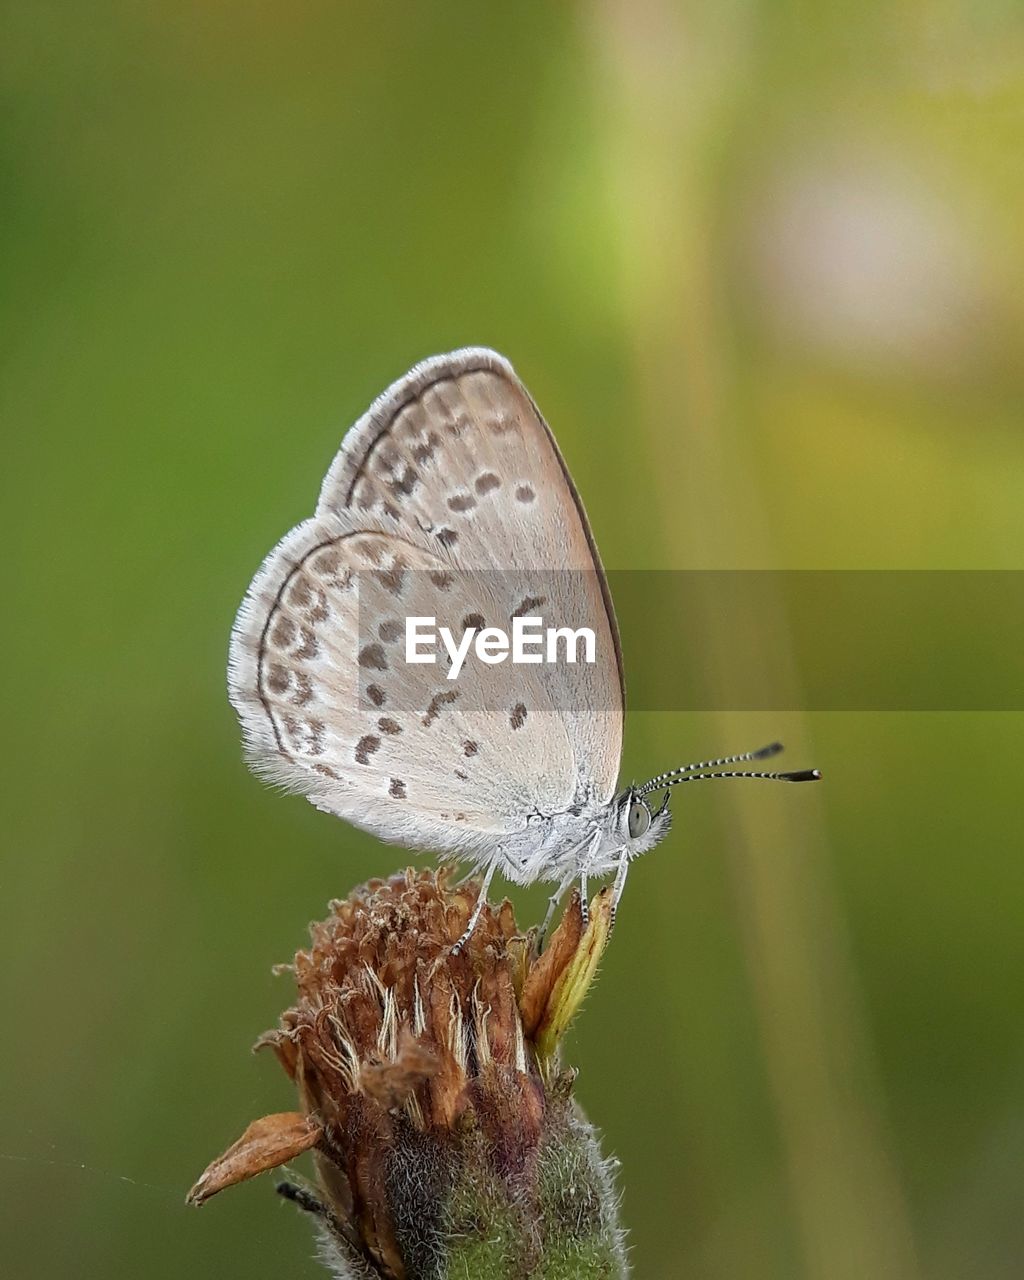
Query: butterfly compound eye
[(639, 819)]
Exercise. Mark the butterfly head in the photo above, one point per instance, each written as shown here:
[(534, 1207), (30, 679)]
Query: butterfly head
[(640, 826)]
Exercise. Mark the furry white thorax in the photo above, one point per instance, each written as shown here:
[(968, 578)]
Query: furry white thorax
[(567, 846)]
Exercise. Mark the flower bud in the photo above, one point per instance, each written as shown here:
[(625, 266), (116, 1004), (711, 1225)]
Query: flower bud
[(444, 1133)]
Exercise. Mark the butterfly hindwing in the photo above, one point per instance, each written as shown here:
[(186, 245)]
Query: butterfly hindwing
[(448, 500)]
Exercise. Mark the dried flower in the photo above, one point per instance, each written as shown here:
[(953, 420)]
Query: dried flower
[(444, 1132)]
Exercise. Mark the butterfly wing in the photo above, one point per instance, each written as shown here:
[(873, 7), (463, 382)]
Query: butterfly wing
[(448, 499)]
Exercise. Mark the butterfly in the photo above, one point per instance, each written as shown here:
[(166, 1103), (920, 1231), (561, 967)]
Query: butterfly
[(449, 499)]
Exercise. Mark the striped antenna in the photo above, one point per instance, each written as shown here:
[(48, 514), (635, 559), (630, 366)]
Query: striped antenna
[(663, 779), (799, 775)]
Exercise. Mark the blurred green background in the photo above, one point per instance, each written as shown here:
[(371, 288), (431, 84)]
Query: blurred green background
[(761, 265)]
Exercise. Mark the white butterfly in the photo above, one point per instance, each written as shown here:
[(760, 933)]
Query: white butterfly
[(449, 499)]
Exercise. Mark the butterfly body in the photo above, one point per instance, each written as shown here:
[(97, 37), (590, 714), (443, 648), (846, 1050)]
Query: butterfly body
[(560, 847)]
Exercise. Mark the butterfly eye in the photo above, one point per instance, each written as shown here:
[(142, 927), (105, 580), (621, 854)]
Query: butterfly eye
[(639, 819)]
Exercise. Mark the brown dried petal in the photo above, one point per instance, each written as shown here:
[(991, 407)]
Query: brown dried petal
[(390, 1083), (266, 1143), (552, 963), (574, 981)]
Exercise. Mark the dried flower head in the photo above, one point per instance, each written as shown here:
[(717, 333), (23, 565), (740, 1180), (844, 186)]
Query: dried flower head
[(444, 1133)]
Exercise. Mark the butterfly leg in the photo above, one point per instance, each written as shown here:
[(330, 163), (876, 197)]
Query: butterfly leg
[(584, 899), (617, 888), (304, 1197), (481, 902), (553, 902)]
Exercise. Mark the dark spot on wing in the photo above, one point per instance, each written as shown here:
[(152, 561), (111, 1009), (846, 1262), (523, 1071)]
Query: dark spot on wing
[(327, 562), (470, 748), (388, 456), (315, 730), (425, 451), (525, 493), (527, 605), (387, 725), (304, 692), (371, 549), (376, 694), (392, 579), (474, 620), (408, 481), (462, 502), (365, 748), (397, 789), (319, 612), (278, 678), (300, 592), (485, 482), (310, 646), (517, 717), (283, 633), (372, 656), (390, 631), (438, 701)]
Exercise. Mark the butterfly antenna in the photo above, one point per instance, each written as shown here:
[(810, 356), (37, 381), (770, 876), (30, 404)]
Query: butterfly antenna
[(798, 775), (663, 779)]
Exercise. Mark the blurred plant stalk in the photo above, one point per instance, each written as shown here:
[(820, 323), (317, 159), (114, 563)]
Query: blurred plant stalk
[(672, 78), (444, 1133)]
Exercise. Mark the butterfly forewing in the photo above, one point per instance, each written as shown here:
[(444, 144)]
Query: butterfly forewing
[(448, 500)]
